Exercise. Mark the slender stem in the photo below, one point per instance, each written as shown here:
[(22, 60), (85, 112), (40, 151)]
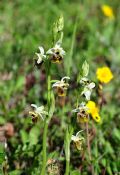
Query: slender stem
[(44, 147), (46, 121), (88, 142), (89, 149), (67, 152), (67, 167), (49, 92)]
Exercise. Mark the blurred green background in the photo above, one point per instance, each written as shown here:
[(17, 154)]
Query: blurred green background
[(25, 25)]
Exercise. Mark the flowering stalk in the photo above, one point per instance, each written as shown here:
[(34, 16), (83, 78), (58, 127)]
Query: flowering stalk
[(83, 110), (46, 121), (55, 55), (44, 146), (48, 86)]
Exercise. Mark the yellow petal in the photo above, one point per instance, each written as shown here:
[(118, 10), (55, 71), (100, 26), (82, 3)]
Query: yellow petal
[(104, 74), (93, 110), (107, 11), (96, 118)]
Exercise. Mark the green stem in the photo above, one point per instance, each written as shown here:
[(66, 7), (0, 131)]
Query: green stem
[(88, 142), (49, 93), (46, 121), (67, 152), (67, 167), (44, 147), (89, 149), (67, 158)]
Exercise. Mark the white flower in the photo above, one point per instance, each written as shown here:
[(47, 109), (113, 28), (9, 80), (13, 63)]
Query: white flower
[(40, 55), (82, 107), (76, 137), (5, 145), (78, 140), (61, 86), (88, 86), (39, 111), (88, 90), (61, 83), (56, 50)]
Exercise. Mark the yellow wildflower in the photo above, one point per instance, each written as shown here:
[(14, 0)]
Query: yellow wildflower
[(104, 74), (107, 11), (93, 110)]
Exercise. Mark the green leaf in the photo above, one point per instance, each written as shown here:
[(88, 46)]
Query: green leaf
[(34, 135), (85, 68), (24, 136), (2, 120), (67, 140), (15, 172), (20, 83), (109, 170), (75, 172), (108, 148), (2, 157), (103, 162), (116, 133)]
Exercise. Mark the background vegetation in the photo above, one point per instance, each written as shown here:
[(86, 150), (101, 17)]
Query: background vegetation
[(24, 25)]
